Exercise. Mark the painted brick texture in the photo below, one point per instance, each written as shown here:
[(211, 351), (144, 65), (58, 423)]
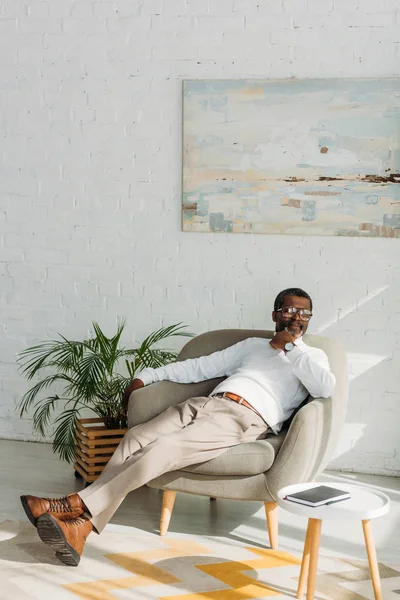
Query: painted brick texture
[(90, 182)]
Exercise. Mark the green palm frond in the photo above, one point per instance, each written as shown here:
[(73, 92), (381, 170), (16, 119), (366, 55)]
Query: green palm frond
[(92, 369), (104, 345), (87, 374), (141, 356), (131, 367), (157, 358), (64, 435), (29, 398), (114, 341), (64, 354), (43, 413), (164, 332), (114, 387)]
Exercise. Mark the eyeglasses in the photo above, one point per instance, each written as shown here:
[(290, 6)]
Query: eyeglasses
[(304, 313)]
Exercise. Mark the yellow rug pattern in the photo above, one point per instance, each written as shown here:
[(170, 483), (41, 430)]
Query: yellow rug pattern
[(146, 573), (120, 565)]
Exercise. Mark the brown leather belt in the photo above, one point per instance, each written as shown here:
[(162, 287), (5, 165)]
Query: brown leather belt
[(237, 399)]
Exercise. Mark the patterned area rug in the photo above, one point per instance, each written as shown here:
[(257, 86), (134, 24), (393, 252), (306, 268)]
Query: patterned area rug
[(119, 565)]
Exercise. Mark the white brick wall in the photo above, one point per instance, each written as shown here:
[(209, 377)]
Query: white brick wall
[(90, 172)]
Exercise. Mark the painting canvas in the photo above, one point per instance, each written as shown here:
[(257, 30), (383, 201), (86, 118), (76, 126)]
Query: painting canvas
[(305, 157)]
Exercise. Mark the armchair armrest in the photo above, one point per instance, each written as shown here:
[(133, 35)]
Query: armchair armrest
[(148, 402), (307, 447)]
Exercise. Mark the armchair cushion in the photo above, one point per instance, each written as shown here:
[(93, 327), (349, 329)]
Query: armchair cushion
[(247, 459)]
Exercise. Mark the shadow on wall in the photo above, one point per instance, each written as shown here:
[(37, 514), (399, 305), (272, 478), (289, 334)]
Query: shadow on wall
[(370, 442)]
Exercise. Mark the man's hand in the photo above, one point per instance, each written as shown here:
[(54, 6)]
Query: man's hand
[(135, 384), (280, 339)]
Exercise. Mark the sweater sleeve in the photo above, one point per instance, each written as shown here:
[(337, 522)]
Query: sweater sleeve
[(193, 370), (313, 371)]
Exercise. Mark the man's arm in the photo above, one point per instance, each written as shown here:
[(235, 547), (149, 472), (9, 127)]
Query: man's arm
[(313, 371), (194, 370)]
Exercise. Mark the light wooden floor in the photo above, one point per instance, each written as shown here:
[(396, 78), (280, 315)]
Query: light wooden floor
[(27, 468)]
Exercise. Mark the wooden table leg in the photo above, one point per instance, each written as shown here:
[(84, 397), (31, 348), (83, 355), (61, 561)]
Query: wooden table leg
[(373, 563), (305, 561), (314, 548)]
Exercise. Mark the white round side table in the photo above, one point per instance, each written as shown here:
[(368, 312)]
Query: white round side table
[(364, 504)]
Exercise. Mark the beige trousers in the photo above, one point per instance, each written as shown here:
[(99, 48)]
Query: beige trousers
[(189, 433)]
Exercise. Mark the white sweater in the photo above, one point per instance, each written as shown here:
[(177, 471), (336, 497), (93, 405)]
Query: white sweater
[(274, 383)]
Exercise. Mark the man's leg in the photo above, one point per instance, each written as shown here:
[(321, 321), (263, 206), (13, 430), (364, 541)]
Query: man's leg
[(169, 421), (219, 425), (61, 523)]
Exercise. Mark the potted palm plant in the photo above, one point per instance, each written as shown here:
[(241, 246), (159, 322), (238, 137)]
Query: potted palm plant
[(90, 374)]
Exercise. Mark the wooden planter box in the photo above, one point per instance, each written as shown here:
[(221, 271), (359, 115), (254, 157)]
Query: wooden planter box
[(95, 445)]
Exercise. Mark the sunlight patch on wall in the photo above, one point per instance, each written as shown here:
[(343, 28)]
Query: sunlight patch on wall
[(361, 362), (352, 308), (351, 434)]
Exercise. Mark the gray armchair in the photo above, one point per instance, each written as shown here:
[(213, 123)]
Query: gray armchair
[(255, 470)]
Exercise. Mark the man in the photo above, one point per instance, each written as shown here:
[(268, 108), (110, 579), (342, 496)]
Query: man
[(266, 381)]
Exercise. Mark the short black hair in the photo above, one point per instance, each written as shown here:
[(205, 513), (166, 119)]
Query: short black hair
[(290, 292)]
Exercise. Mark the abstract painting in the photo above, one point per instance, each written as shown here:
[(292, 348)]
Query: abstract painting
[(304, 157)]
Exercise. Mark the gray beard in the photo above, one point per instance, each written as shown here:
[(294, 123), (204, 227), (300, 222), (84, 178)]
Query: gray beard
[(287, 327)]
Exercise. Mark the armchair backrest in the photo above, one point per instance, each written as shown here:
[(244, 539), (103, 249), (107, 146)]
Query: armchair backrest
[(212, 341)]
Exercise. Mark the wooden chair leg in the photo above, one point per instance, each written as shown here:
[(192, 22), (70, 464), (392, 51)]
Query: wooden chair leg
[(314, 549), (271, 512), (372, 560), (166, 510), (305, 563)]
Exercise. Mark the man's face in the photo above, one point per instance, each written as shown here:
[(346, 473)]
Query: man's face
[(291, 322)]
